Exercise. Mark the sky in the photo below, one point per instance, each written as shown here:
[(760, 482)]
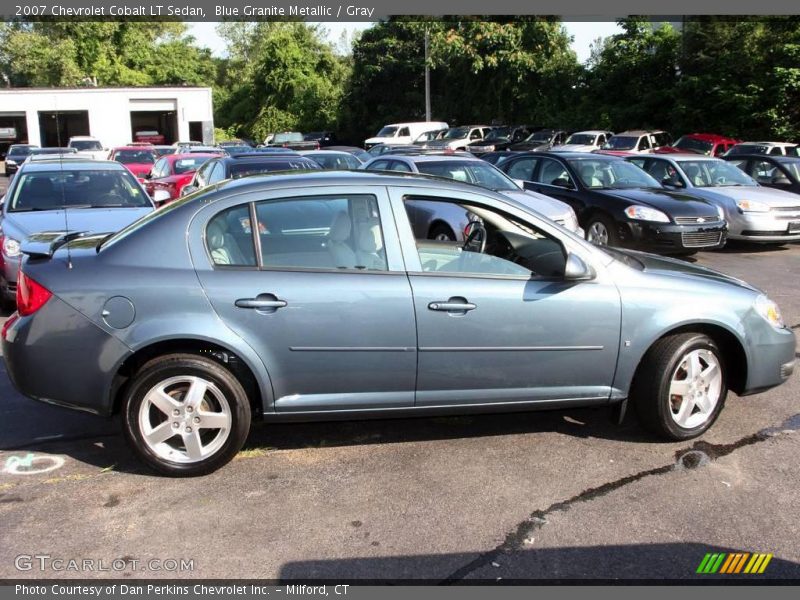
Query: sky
[(584, 33)]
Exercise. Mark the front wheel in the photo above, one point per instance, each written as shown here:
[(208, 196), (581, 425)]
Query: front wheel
[(601, 230), (679, 389), (185, 415)]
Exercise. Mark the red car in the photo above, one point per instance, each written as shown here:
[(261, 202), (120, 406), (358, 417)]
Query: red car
[(149, 137), (709, 144), (138, 159), (171, 172)]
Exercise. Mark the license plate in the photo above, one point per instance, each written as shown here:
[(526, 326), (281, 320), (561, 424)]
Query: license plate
[(794, 227)]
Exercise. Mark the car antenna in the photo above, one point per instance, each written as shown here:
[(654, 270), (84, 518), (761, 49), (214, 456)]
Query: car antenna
[(63, 194)]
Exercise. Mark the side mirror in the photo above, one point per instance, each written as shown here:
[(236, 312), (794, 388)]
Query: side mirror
[(576, 269), (188, 189), (160, 196)]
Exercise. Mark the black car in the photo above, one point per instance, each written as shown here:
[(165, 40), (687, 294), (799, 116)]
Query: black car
[(496, 158), (781, 172), (541, 141), (323, 138), (618, 204), (359, 153), (242, 165), (499, 138), (17, 153)]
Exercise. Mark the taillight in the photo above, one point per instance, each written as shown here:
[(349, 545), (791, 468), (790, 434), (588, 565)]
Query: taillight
[(30, 295)]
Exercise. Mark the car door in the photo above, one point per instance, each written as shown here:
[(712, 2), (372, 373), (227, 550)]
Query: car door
[(552, 178), (318, 289), (521, 169), (491, 331)]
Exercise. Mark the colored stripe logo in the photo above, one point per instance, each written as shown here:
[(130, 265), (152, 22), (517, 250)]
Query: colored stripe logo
[(734, 563)]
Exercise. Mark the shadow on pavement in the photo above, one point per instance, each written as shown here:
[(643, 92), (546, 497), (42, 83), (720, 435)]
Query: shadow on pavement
[(641, 563)]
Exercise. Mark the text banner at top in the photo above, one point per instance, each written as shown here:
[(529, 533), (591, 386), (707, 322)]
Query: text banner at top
[(371, 10)]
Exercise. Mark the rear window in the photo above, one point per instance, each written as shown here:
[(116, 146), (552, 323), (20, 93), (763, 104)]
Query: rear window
[(53, 190), (244, 169), (127, 157), (185, 165), (86, 145)]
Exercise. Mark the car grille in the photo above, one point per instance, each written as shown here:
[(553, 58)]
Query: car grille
[(701, 239), (696, 220)]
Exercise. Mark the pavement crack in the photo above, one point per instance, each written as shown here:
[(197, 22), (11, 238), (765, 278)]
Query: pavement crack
[(699, 454)]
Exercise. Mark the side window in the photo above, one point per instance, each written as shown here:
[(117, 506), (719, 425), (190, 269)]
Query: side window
[(776, 150), (522, 169), (763, 171), (322, 232), (719, 150), (202, 174), (379, 165), (644, 143), (552, 172), (742, 164), (159, 169), (229, 238), (403, 132), (217, 173), (475, 134), (519, 134), (397, 165), (495, 243)]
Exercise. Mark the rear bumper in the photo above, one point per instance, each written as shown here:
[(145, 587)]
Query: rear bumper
[(60, 357), (669, 238)]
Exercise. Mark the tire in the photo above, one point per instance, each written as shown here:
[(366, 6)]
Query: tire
[(597, 225), (441, 233), (659, 382), (157, 403)]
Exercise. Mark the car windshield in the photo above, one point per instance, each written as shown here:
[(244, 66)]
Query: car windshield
[(581, 139), (341, 161), (54, 190), (290, 136), (611, 174), (388, 131), (313, 135), (713, 173), (254, 168), (188, 164), (456, 133), (541, 136), (793, 167), (41, 151), (15, 151), (86, 145), (748, 149), (694, 145), (478, 172), (129, 157), (621, 142), (501, 133)]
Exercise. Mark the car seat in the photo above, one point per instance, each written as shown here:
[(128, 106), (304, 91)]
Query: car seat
[(224, 250), (370, 247), (340, 252), (589, 176), (693, 174)]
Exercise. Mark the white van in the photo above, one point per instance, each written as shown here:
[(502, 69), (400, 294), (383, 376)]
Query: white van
[(403, 133)]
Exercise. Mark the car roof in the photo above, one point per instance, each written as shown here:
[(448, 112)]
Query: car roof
[(75, 164), (181, 155), (776, 157), (256, 157), (708, 137), (141, 147), (592, 131), (423, 158), (573, 155), (640, 132), (766, 144), (83, 137)]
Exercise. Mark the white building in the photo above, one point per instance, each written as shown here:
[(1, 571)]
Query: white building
[(50, 116)]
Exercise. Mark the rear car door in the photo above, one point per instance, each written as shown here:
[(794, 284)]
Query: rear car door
[(317, 287), (490, 329)]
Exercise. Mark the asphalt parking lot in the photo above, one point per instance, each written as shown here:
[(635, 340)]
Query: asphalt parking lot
[(560, 495)]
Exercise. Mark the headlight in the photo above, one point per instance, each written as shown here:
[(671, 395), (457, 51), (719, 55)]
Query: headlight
[(488, 148), (10, 247), (752, 206), (720, 212), (770, 311), (645, 213), (11, 161)]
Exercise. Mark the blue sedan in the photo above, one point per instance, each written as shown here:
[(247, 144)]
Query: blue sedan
[(308, 297)]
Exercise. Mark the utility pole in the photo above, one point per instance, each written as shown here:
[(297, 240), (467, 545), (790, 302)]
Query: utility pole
[(427, 80)]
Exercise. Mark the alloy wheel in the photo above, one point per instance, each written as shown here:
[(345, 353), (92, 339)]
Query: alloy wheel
[(597, 234), (695, 388)]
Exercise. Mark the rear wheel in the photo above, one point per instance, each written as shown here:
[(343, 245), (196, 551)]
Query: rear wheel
[(679, 389), (185, 415), (600, 230)]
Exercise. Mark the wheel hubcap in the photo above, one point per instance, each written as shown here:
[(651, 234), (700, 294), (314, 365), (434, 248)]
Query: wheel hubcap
[(695, 388), (598, 234), (442, 237), (185, 419)]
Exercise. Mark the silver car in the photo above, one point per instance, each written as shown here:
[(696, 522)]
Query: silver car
[(753, 212), (443, 224), (308, 297), (457, 138)]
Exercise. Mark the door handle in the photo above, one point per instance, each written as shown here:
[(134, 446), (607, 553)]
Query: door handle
[(261, 302), (452, 306)]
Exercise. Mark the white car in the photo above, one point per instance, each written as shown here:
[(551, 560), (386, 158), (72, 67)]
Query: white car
[(403, 133), (88, 146), (584, 141), (457, 138), (772, 148)]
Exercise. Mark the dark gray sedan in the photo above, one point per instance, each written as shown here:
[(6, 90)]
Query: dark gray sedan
[(307, 297)]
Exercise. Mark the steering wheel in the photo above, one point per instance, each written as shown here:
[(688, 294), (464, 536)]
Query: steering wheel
[(476, 237)]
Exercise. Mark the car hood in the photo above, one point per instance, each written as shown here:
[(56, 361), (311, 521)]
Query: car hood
[(480, 143), (78, 219), (665, 201), (549, 207), (527, 145), (673, 267), (766, 195)]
